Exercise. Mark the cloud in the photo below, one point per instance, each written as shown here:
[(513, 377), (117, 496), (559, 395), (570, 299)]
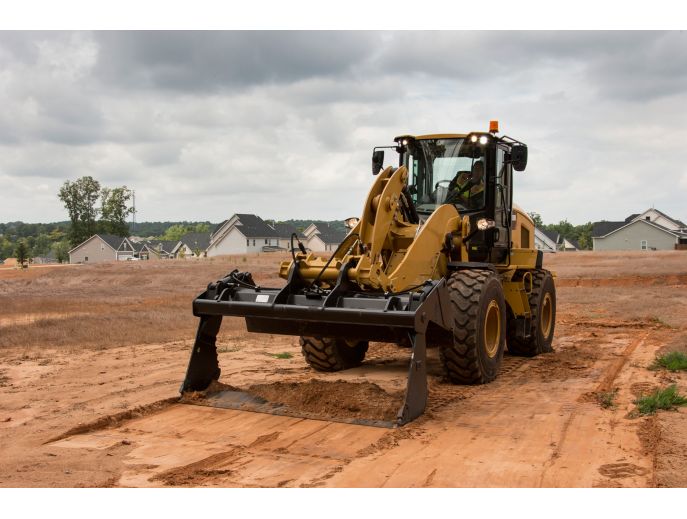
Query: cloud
[(282, 124), (218, 61)]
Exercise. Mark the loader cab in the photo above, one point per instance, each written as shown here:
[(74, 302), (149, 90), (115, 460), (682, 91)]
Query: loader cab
[(471, 171)]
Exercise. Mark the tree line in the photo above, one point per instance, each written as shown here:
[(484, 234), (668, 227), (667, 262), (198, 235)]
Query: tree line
[(42, 239), (582, 234)]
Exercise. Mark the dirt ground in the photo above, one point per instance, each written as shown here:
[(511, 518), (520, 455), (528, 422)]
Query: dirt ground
[(91, 359)]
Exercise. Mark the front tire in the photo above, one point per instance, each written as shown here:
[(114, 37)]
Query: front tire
[(332, 353), (478, 307)]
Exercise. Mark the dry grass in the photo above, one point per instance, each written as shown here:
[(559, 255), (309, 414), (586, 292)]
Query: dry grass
[(114, 304)]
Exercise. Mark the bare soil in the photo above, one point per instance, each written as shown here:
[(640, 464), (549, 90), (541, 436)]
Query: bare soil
[(91, 359)]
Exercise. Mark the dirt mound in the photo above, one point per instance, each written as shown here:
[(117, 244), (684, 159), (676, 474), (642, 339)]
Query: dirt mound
[(214, 387), (338, 399)]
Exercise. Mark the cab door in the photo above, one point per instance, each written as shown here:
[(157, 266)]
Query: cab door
[(502, 207)]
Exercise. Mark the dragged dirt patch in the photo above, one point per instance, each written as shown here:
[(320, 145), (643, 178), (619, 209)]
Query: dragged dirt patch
[(114, 420), (338, 399), (205, 470), (639, 389), (664, 439), (563, 364), (622, 470)]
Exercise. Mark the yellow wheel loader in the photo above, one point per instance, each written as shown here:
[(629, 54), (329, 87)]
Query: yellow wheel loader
[(440, 256)]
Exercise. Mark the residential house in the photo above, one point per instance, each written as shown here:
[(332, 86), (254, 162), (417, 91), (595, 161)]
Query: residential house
[(284, 233), (568, 245), (158, 249), (48, 259), (650, 230), (241, 234), (322, 236), (546, 241), (127, 249), (192, 245), (96, 249)]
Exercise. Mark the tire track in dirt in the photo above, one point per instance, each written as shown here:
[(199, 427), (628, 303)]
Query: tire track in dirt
[(616, 367)]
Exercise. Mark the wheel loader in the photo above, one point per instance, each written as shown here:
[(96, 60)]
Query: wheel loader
[(439, 257)]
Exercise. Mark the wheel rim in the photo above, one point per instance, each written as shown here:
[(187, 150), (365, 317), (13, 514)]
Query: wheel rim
[(546, 319), (492, 329)]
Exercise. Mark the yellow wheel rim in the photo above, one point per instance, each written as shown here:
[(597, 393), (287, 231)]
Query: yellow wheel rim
[(546, 315), (492, 329)]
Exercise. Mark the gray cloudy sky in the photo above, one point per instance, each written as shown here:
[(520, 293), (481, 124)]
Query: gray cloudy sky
[(206, 124)]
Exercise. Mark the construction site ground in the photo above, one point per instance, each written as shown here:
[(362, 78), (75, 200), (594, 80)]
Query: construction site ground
[(91, 358)]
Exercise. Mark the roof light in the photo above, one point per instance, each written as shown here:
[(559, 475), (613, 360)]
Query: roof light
[(405, 142), (351, 222), (493, 127), (473, 138), (483, 139)]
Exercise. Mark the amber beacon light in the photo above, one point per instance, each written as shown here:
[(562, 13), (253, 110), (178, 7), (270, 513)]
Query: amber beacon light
[(493, 127)]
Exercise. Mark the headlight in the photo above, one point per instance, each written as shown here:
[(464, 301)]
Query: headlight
[(473, 138), (351, 222), (483, 139), (484, 223)]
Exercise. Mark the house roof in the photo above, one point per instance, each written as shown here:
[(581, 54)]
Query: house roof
[(677, 222), (329, 234), (631, 217), (253, 226), (574, 243), (196, 240), (162, 245), (112, 240), (285, 230), (600, 229), (646, 222), (217, 227), (551, 235)]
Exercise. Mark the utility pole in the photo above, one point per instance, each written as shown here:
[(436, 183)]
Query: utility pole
[(133, 213)]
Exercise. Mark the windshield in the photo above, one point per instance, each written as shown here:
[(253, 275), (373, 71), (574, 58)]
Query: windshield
[(446, 171)]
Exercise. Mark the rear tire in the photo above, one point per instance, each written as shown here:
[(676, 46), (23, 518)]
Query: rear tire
[(543, 311), (332, 354), (478, 308)]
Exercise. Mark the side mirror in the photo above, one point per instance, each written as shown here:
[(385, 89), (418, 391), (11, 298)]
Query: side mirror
[(518, 157), (377, 161)]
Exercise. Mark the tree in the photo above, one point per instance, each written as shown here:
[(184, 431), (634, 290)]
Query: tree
[(585, 235), (41, 245), (22, 254), (175, 232), (114, 209), (536, 217), (6, 248), (79, 197), (61, 250)]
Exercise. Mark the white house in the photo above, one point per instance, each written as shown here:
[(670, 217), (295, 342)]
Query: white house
[(544, 240), (241, 234), (192, 245), (321, 236)]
